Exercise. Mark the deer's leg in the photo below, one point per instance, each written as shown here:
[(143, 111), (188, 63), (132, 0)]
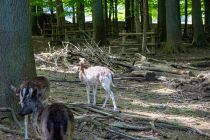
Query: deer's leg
[(26, 127), (88, 92), (106, 99), (113, 99), (94, 94)]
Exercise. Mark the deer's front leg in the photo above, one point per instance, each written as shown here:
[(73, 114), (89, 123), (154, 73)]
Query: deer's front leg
[(88, 92), (94, 94), (26, 127)]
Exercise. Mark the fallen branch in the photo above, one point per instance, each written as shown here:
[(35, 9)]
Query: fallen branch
[(13, 115), (8, 130)]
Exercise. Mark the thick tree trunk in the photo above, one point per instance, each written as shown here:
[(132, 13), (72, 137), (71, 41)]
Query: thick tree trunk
[(127, 16), (207, 16), (16, 54), (173, 26), (60, 20), (162, 19), (198, 30), (98, 22)]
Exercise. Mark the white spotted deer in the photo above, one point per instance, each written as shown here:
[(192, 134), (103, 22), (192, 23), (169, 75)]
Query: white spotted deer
[(53, 122), (96, 75), (25, 90)]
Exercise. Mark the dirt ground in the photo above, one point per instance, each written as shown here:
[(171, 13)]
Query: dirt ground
[(149, 99)]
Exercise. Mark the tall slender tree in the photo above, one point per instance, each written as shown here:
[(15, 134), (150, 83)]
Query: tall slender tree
[(207, 16), (162, 19), (127, 16), (98, 22), (81, 14), (16, 53), (186, 17), (137, 20), (60, 20), (173, 25), (198, 30)]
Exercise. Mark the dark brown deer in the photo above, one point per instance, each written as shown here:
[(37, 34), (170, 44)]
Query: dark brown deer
[(53, 122), (26, 88)]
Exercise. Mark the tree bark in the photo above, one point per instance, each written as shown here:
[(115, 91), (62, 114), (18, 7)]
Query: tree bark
[(16, 53), (207, 16), (60, 20), (148, 16), (137, 21), (144, 43), (127, 16), (106, 17), (132, 16), (173, 26), (37, 20), (185, 21), (73, 15), (162, 19), (116, 29), (81, 16), (198, 30), (98, 22)]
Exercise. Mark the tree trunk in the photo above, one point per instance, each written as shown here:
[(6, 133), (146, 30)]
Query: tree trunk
[(173, 26), (73, 15), (132, 16), (116, 29), (52, 16), (37, 20), (110, 16), (16, 54), (144, 43), (98, 22), (162, 20), (207, 16), (81, 16), (198, 30), (137, 20), (185, 21), (106, 17), (127, 16), (60, 20), (149, 18)]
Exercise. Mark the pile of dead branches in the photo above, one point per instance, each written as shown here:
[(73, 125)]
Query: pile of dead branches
[(69, 54)]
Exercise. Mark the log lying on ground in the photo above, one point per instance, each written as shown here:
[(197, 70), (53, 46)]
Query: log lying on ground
[(202, 64)]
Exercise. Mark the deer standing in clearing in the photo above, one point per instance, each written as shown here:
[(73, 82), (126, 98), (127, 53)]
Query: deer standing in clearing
[(25, 90), (95, 75), (53, 122)]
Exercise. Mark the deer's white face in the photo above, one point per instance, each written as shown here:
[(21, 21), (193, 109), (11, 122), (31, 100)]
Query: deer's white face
[(29, 103)]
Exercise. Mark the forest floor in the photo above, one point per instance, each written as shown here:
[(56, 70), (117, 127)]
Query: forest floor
[(138, 101)]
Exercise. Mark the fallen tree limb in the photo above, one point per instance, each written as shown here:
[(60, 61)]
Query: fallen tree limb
[(13, 115), (8, 130), (126, 126)]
